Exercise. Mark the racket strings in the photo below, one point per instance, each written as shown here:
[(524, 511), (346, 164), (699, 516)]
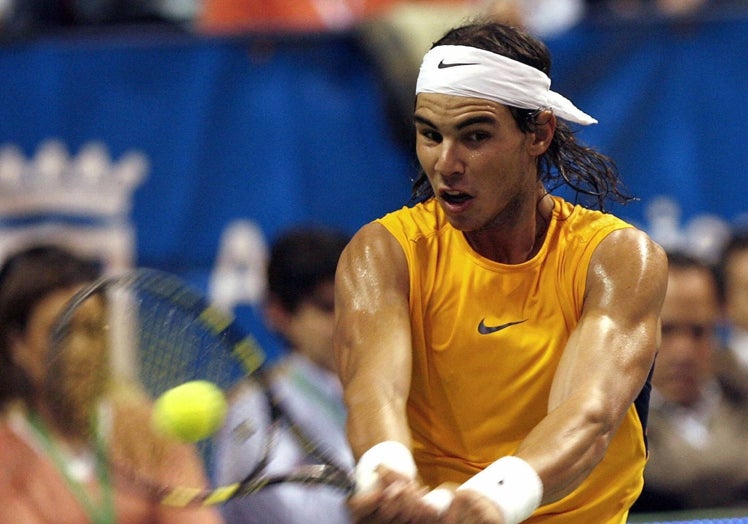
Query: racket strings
[(176, 347), (178, 342)]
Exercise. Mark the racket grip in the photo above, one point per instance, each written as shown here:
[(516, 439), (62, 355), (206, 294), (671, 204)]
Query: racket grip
[(439, 499)]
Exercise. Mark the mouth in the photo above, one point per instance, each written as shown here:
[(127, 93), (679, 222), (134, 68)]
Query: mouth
[(686, 379), (454, 198)]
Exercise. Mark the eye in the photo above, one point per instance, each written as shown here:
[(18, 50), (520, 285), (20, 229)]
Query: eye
[(323, 305), (430, 135), (477, 136), (694, 331), (90, 328), (700, 332)]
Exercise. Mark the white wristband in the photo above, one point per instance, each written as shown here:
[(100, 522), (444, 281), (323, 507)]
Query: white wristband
[(390, 454), (512, 484)]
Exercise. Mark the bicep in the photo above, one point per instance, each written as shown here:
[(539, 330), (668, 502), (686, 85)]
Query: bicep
[(609, 354), (372, 336)]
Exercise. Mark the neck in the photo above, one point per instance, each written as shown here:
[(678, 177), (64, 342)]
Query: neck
[(521, 239), (74, 433)]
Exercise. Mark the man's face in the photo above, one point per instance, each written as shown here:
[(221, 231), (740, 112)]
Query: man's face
[(31, 347), (736, 289), (690, 315), (480, 165), (310, 328), (81, 371), (70, 380)]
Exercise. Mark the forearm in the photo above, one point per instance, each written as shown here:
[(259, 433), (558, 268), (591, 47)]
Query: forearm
[(375, 388), (566, 446), (376, 413), (376, 383), (377, 427)]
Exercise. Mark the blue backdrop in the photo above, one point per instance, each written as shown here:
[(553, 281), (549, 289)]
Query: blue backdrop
[(281, 130), (667, 96)]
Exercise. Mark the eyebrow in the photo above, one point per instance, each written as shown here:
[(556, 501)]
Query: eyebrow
[(421, 120), (467, 123)]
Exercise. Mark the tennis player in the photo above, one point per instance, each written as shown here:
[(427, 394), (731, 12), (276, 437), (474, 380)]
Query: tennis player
[(494, 336)]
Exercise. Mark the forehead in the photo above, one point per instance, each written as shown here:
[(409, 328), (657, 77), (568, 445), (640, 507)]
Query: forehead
[(441, 108), (52, 304), (737, 265), (325, 289), (691, 295)]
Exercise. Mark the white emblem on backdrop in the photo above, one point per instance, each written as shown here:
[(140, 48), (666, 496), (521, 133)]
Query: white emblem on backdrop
[(82, 200), (238, 276), (702, 236)]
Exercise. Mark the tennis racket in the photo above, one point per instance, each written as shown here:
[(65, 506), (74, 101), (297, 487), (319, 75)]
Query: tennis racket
[(157, 333)]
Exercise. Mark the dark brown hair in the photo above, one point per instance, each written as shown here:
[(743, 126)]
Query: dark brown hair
[(302, 259)]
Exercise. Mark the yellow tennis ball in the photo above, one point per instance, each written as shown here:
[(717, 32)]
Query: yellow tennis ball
[(191, 411)]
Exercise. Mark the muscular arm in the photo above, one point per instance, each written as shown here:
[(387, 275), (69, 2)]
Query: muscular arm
[(605, 362), (372, 337)]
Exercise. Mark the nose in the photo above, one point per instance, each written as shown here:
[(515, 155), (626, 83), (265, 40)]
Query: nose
[(684, 341), (680, 345), (449, 162)]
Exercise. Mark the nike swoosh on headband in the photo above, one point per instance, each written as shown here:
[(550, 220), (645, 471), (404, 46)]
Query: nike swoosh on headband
[(442, 65), (483, 329)]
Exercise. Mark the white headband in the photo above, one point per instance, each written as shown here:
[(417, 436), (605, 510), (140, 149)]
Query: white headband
[(472, 72)]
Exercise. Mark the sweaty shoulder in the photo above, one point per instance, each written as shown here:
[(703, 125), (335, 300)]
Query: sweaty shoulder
[(606, 232), (610, 236), (631, 248), (372, 259), (628, 266)]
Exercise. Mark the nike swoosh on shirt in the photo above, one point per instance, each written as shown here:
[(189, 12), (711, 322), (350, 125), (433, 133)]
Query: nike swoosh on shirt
[(483, 329), (442, 65)]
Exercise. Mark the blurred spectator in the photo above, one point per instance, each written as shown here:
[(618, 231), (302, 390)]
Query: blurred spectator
[(222, 16), (698, 422), (541, 18), (300, 309), (49, 470), (733, 272), (233, 16), (26, 18)]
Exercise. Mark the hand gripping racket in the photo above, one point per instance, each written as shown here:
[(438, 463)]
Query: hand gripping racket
[(123, 341)]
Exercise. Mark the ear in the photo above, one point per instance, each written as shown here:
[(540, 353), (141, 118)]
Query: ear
[(276, 316), (19, 352), (545, 127)]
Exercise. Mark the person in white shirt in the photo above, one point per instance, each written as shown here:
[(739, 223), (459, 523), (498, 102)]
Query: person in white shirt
[(300, 309)]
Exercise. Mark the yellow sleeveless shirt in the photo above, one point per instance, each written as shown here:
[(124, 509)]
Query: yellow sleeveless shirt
[(487, 338)]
